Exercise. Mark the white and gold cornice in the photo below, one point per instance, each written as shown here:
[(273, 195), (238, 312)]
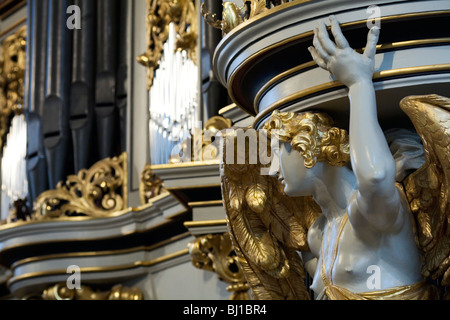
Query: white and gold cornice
[(243, 55), (30, 276), (384, 75), (82, 229)]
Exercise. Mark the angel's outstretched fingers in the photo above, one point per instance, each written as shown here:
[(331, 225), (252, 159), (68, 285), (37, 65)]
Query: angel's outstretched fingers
[(318, 46), (339, 38), (317, 59), (324, 39), (372, 40)]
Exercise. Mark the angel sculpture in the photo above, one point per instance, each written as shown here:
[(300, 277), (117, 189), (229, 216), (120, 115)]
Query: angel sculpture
[(346, 209), (267, 228)]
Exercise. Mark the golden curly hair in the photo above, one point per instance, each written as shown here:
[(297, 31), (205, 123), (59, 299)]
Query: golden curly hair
[(313, 135)]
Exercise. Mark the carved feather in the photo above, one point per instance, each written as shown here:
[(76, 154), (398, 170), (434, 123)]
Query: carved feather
[(266, 287), (267, 227), (283, 224), (260, 245), (427, 189)]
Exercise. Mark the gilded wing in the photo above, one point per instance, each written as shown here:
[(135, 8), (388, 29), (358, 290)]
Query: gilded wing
[(427, 188), (267, 227)]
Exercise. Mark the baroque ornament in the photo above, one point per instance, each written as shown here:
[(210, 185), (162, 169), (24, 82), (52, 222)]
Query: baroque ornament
[(96, 192), (233, 15), (160, 13), (201, 145), (151, 185), (209, 149), (12, 74), (267, 227), (215, 253), (335, 219), (428, 188)]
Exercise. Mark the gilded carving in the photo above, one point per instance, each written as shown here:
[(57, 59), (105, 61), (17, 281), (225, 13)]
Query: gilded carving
[(202, 144), (12, 74), (151, 185), (212, 127), (428, 188), (233, 15), (352, 202), (215, 253), (95, 192), (267, 227), (160, 13), (118, 292)]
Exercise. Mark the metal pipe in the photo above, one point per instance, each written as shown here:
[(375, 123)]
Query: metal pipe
[(34, 97), (105, 90), (56, 128), (82, 97)]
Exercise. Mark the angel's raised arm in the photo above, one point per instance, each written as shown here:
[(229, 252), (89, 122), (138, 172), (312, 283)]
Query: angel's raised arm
[(377, 199)]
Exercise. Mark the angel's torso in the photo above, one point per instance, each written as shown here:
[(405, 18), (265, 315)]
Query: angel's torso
[(365, 260)]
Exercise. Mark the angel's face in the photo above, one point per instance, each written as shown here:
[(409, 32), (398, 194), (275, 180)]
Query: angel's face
[(292, 172)]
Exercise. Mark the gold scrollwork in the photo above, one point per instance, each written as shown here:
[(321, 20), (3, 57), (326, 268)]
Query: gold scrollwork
[(212, 127), (203, 146), (12, 74), (151, 185), (118, 292), (160, 13), (268, 228), (215, 253), (97, 192)]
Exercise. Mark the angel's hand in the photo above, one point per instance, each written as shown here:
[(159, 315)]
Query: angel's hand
[(337, 57)]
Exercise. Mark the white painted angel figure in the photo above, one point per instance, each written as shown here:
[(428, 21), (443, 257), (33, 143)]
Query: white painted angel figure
[(366, 224), (363, 222)]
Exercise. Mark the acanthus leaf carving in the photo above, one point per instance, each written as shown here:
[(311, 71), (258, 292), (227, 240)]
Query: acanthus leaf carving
[(96, 192), (160, 13), (215, 253)]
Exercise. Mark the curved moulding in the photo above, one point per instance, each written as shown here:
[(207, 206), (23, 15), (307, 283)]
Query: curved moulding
[(265, 63), (112, 249)]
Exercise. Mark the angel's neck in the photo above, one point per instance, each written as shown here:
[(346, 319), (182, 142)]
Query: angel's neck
[(333, 190)]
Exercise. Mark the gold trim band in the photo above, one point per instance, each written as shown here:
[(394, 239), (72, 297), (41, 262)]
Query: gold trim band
[(200, 186), (337, 84), (205, 223), (18, 224), (184, 164), (153, 227), (100, 253), (345, 25), (276, 79), (227, 108), (136, 264), (380, 48), (199, 204)]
